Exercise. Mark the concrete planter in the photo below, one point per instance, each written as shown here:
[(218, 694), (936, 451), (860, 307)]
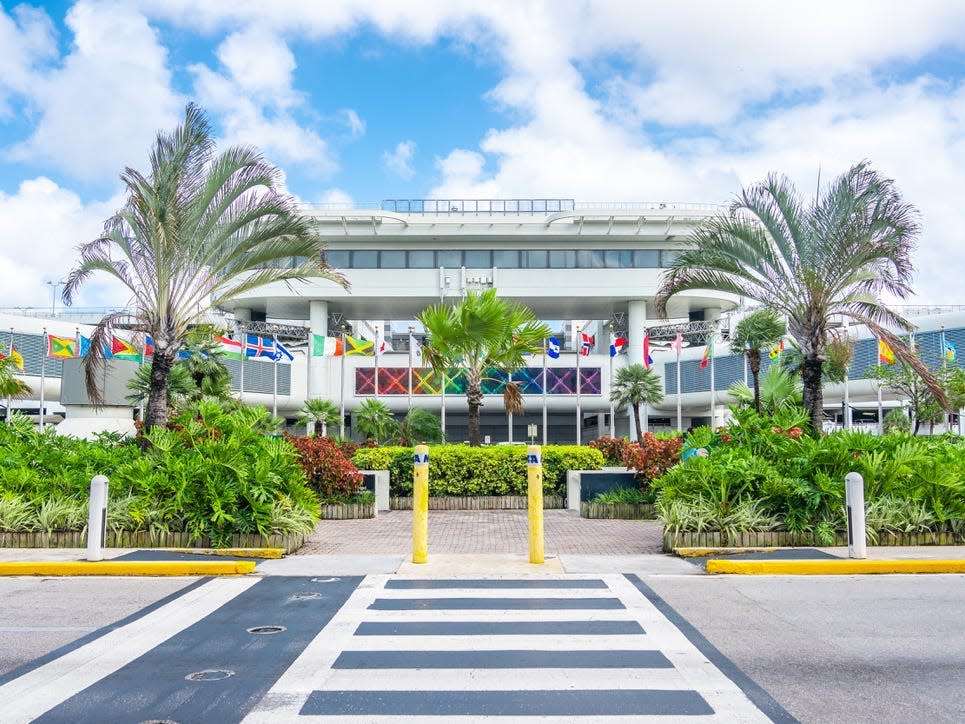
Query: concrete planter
[(478, 502), (145, 539)]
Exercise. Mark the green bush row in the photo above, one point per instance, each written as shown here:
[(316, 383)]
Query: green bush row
[(464, 470), (211, 475)]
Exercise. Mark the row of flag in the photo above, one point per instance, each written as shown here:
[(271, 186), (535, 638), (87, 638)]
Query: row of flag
[(251, 345), (347, 346), (255, 346)]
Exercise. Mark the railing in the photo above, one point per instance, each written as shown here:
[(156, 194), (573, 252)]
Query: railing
[(507, 207)]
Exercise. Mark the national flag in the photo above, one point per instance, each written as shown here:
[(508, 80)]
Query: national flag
[(776, 351), (258, 346), (708, 352), (282, 353), (62, 347), (326, 346), (382, 345), (148, 345), (85, 348), (886, 355), (617, 345), (553, 348), (678, 344), (122, 349), (359, 346), (647, 359), (230, 348), (415, 349), (16, 358), (950, 352), (587, 343)]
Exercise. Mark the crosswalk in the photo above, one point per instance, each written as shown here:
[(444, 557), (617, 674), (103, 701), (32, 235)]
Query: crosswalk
[(387, 648)]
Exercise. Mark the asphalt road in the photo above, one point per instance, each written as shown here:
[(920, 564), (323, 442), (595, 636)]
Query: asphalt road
[(827, 649)]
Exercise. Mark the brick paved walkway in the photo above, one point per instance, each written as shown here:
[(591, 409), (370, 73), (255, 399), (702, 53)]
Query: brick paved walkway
[(485, 531)]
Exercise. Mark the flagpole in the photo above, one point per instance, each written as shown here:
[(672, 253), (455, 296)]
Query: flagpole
[(43, 376), (410, 366), (341, 424), (375, 350), (274, 384), (244, 353), (881, 419), (9, 397), (680, 417), (645, 422), (713, 390), (612, 350), (545, 417), (442, 412), (579, 408), (944, 369), (847, 396)]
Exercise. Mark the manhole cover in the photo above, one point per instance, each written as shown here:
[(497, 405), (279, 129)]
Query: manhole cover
[(265, 630), (305, 595), (159, 721), (210, 675), (325, 580)]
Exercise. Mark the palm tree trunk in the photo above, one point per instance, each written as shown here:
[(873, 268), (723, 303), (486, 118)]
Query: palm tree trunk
[(754, 364), (812, 396), (636, 422), (474, 397), (157, 412)]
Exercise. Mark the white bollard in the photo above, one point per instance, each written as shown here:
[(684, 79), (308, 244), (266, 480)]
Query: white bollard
[(854, 499), (97, 518)]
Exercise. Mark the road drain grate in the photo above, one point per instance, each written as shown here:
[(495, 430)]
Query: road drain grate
[(210, 675), (306, 596), (266, 630)]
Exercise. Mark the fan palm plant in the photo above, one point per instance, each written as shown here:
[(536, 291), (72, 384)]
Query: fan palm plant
[(635, 385), (374, 421), (759, 330), (778, 391), (836, 256), (199, 229), (482, 332), (316, 411)]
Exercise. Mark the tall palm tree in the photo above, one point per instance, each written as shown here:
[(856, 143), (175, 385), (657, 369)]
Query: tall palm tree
[(317, 411), (200, 228), (482, 332), (835, 256), (761, 329), (10, 386), (635, 385)]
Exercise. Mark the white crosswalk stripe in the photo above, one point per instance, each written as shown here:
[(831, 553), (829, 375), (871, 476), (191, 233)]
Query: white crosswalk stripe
[(473, 669)]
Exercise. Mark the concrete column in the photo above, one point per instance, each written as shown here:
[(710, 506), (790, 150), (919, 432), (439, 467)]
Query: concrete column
[(636, 320), (242, 314), (318, 321), (601, 428), (712, 314)]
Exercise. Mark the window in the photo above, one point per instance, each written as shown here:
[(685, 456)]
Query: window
[(338, 259), (646, 258), (422, 259), (562, 258), (392, 260), (365, 259), (534, 259), (478, 259), (450, 259), (589, 259), (506, 258), (618, 258), (668, 257)]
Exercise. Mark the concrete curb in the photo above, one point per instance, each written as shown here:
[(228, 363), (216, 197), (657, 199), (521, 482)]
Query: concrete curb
[(267, 553), (703, 552), (126, 568), (830, 567)]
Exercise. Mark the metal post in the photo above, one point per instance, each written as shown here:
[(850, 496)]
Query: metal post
[(420, 504), (97, 518), (854, 498), (341, 398), (534, 479)]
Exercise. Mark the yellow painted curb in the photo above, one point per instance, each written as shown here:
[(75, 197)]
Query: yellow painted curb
[(694, 552), (838, 567), (237, 552), (126, 568)]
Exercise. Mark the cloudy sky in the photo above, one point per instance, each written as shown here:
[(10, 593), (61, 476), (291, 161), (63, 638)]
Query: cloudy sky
[(375, 99)]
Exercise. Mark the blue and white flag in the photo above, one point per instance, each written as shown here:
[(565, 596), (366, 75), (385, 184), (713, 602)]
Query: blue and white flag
[(256, 346), (553, 347), (282, 354)]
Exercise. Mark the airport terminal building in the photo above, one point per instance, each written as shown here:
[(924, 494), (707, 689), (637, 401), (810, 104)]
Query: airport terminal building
[(583, 268)]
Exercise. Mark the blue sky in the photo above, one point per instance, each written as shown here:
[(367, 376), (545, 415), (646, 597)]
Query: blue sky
[(364, 100)]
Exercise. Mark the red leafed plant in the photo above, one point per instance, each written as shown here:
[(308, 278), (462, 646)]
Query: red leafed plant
[(328, 470), (651, 457)]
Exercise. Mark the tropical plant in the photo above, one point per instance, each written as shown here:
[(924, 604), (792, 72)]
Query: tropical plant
[(835, 256), (199, 229), (374, 421), (181, 387), (635, 385), (761, 329), (420, 427), (328, 471), (204, 362), (907, 383), (778, 391), (482, 332), (10, 385), (318, 411), (896, 421), (837, 358)]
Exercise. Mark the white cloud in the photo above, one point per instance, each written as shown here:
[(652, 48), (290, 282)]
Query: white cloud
[(336, 198), (40, 228), (355, 125), (399, 161), (100, 110), (25, 39)]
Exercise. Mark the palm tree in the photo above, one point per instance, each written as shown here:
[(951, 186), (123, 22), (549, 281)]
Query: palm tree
[(482, 332), (374, 421), (779, 390), (205, 363), (316, 411), (420, 427), (10, 386), (635, 385), (761, 329), (835, 256), (201, 228), (180, 386)]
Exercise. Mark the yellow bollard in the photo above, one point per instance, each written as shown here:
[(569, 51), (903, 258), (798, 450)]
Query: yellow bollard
[(534, 479), (420, 504)]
